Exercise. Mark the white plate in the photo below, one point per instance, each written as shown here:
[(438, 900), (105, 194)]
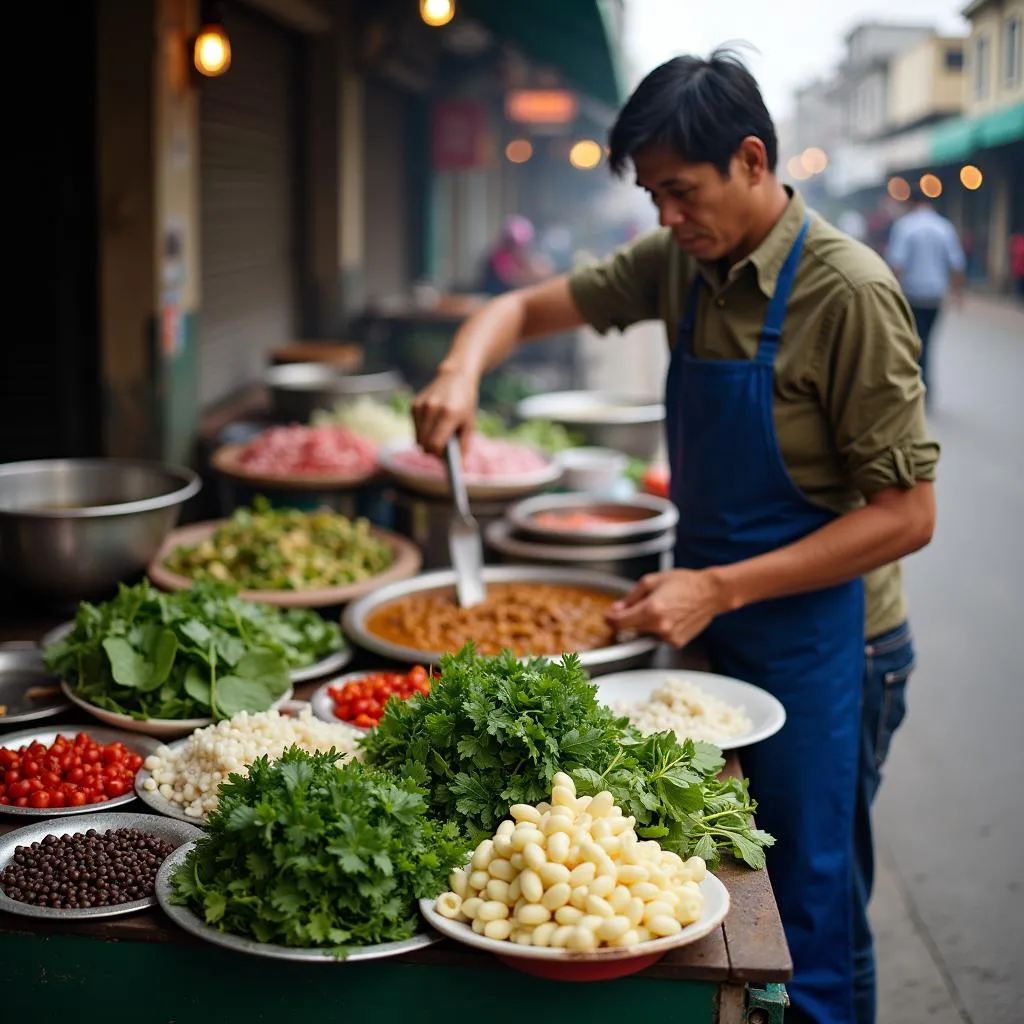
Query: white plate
[(322, 702), (191, 922), (478, 488), (161, 728), (141, 745), (765, 712), (716, 906), (329, 663)]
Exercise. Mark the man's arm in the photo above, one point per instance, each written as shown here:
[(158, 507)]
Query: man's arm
[(873, 397), (616, 292)]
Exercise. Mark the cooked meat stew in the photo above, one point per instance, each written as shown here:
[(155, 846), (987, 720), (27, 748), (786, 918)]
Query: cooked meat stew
[(527, 618)]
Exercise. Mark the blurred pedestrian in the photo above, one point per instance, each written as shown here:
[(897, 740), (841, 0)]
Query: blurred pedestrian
[(927, 257), (510, 263)]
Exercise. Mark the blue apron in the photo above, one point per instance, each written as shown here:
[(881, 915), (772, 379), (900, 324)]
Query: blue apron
[(737, 500)]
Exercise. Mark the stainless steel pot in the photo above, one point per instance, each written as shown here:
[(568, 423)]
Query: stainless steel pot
[(72, 529), (648, 516), (297, 390), (633, 652), (629, 560)]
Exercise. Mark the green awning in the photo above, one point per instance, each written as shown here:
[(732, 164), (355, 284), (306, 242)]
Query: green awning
[(576, 37), (958, 139)]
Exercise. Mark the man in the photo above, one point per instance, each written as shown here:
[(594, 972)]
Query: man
[(800, 465), (928, 259)]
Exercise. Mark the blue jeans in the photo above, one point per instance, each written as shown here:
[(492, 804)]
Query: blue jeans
[(889, 664)]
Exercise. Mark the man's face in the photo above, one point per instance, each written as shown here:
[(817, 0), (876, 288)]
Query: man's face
[(709, 215)]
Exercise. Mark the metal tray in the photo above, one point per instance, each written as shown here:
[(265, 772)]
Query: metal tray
[(143, 745), (634, 651), (332, 663), (21, 669), (190, 922), (173, 831), (655, 516), (500, 536)]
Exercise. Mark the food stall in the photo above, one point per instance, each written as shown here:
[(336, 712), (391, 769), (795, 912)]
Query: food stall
[(145, 663)]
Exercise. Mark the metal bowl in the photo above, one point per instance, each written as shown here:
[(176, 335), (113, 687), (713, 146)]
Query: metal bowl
[(630, 560), (602, 419), (297, 390), (634, 651), (72, 529), (649, 517)]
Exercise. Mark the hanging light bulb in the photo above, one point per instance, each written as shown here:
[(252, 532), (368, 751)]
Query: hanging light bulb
[(211, 52), (437, 12)]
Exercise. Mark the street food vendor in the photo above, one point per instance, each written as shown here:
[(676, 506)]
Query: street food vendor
[(800, 463)]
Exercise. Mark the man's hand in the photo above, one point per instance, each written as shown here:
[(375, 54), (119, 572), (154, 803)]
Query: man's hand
[(676, 605), (446, 406)]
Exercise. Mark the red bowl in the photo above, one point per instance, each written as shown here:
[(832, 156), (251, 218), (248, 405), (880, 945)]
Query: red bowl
[(581, 970)]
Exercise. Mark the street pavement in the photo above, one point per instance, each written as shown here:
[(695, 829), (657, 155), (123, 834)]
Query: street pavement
[(949, 904), (949, 909)]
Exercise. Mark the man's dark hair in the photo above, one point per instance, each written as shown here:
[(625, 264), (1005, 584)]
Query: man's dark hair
[(700, 109)]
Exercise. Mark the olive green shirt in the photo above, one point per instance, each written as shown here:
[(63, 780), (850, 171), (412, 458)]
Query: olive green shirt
[(848, 398)]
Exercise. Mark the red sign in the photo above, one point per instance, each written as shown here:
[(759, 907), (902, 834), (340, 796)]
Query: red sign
[(460, 135)]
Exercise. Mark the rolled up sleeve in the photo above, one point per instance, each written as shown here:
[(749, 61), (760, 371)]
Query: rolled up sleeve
[(874, 394), (623, 289)]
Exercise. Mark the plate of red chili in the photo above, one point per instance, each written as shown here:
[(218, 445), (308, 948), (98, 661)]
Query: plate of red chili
[(359, 698), (47, 773)]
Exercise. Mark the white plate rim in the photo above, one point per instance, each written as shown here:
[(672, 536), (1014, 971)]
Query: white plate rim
[(189, 921), (705, 925), (707, 681), (180, 726)]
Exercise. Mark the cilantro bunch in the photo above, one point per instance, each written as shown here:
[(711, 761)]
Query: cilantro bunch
[(304, 853), (493, 731)]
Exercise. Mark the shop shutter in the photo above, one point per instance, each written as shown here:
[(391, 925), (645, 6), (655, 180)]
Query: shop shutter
[(249, 269)]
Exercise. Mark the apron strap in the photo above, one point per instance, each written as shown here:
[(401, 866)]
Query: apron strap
[(771, 331)]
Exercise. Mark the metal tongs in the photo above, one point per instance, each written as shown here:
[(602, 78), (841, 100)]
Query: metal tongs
[(464, 543)]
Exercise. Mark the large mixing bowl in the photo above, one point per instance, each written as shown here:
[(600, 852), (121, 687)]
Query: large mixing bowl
[(72, 529)]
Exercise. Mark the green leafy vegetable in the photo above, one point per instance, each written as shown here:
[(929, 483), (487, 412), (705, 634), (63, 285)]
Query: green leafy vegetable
[(493, 731), (196, 653), (304, 853)]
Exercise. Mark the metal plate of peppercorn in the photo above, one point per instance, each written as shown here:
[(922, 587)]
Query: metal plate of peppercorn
[(96, 865)]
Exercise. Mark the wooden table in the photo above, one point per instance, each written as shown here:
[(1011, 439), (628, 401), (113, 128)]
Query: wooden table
[(143, 970)]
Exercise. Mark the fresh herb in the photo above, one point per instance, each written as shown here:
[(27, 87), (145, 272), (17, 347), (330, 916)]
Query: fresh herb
[(197, 653), (493, 731), (676, 793), (304, 853)]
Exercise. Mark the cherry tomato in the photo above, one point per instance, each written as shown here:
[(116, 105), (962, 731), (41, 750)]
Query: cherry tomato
[(76, 799), (19, 789), (39, 799), (22, 801), (30, 769), (8, 757), (11, 775), (57, 798)]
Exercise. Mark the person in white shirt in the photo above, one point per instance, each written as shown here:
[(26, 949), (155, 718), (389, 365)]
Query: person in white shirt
[(927, 257)]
